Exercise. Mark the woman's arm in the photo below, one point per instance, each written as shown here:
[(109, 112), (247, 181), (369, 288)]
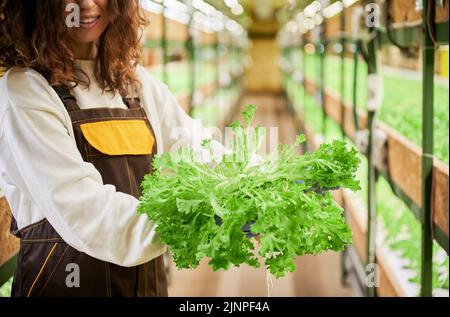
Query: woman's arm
[(45, 164)]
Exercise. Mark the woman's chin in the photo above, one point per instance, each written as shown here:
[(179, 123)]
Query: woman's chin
[(84, 38)]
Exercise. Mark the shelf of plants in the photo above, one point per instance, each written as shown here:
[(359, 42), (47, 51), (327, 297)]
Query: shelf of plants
[(9, 248), (217, 93), (404, 251), (318, 66)]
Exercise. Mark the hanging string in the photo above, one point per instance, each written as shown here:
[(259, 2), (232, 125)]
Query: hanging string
[(269, 283), (269, 279)]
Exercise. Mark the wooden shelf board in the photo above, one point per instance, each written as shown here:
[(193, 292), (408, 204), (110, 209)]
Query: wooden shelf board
[(9, 245)]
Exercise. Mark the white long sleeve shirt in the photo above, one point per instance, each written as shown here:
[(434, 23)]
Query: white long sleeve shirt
[(43, 175)]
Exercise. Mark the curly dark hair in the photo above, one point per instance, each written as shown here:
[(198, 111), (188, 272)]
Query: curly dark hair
[(29, 38)]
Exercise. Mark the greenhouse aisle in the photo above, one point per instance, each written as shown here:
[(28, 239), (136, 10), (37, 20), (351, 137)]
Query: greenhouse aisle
[(316, 276)]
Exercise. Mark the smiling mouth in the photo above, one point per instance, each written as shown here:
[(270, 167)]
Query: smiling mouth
[(90, 22)]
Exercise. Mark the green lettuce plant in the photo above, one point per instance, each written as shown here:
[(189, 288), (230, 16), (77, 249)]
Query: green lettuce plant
[(285, 198)]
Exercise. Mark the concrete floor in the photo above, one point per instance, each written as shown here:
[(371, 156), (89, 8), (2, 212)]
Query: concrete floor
[(315, 276)]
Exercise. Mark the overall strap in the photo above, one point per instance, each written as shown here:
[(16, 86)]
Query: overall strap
[(71, 104), (132, 103), (69, 101)]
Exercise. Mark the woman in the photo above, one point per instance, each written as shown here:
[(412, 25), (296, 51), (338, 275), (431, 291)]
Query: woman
[(79, 124)]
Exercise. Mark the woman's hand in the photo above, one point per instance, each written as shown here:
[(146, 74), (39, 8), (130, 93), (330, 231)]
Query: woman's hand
[(245, 229)]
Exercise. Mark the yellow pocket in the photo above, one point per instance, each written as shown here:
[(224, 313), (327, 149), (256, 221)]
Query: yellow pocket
[(119, 137)]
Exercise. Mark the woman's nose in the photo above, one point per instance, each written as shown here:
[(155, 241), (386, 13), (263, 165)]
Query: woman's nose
[(86, 4)]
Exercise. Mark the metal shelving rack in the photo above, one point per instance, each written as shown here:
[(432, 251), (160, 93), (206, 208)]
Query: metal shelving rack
[(431, 35)]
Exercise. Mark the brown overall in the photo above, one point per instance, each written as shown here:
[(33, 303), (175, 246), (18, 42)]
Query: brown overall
[(120, 144)]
